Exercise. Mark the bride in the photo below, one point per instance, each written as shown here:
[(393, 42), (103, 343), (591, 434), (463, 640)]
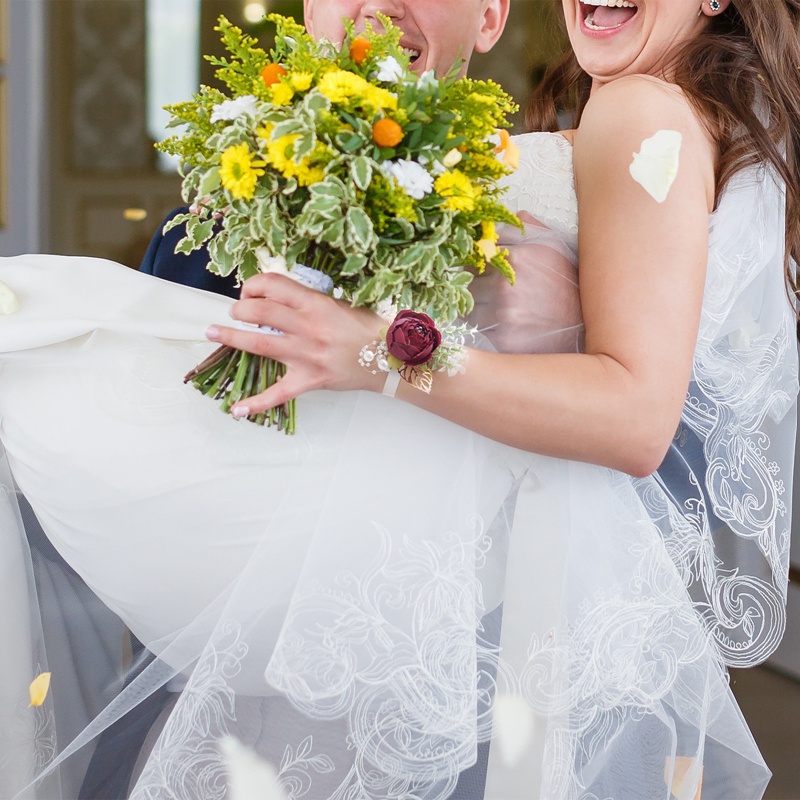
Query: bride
[(559, 550)]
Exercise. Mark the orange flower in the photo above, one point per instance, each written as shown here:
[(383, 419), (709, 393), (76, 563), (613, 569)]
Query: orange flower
[(272, 73), (387, 133), (359, 49)]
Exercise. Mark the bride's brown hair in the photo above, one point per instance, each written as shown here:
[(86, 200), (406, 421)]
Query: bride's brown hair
[(742, 74)]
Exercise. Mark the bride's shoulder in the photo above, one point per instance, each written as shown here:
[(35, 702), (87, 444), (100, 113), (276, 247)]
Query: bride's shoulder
[(628, 107), (621, 115)]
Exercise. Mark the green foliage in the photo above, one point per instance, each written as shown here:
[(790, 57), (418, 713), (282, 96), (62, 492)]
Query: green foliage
[(320, 190)]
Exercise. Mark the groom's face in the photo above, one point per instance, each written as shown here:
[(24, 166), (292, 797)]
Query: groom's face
[(438, 33)]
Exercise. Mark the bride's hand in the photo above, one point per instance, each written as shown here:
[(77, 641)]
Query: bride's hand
[(320, 346)]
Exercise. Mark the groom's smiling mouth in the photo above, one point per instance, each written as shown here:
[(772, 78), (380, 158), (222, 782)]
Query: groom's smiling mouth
[(607, 15), (411, 51)]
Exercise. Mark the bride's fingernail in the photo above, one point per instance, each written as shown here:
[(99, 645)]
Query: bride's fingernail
[(212, 333), (240, 411)]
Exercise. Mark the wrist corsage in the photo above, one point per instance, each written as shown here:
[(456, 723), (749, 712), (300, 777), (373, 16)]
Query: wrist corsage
[(412, 348)]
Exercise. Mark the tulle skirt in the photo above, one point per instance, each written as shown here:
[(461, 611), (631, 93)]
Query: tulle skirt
[(382, 606)]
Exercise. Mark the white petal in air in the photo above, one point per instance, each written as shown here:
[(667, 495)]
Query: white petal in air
[(512, 727), (655, 166), (249, 777), (8, 300)]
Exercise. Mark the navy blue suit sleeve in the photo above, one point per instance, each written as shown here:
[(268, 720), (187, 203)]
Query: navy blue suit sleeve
[(162, 261)]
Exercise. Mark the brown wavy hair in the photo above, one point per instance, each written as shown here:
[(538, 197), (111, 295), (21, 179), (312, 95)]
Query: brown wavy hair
[(742, 75)]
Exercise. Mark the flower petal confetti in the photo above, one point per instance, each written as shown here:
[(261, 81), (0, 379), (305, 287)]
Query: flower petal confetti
[(655, 166), (249, 775), (39, 688), (513, 726), (8, 300)]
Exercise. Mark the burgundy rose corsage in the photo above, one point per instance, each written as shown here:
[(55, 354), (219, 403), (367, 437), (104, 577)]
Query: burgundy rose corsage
[(413, 348)]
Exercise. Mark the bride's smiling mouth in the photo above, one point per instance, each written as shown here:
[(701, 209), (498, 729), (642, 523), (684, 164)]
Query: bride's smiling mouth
[(606, 16)]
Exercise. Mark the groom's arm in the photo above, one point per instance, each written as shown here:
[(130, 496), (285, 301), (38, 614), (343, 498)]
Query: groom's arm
[(162, 261)]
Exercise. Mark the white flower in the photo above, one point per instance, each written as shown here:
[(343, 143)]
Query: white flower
[(411, 176), (230, 110), (390, 70), (655, 166), (269, 263), (8, 300), (248, 775), (427, 81)]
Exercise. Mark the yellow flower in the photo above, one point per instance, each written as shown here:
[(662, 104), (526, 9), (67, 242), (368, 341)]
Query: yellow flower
[(509, 149), (340, 86), (265, 132), (282, 94), (239, 171), (487, 244), (301, 81), (488, 231), (380, 98), (458, 190), (343, 88), (279, 154), (309, 170)]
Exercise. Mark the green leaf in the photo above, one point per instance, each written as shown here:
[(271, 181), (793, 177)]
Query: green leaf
[(316, 101), (360, 233), (249, 266), (210, 182), (330, 187), (366, 294), (222, 261), (361, 170), (304, 146), (203, 232), (178, 219), (286, 128), (353, 265), (349, 142), (324, 206), (185, 246), (333, 233)]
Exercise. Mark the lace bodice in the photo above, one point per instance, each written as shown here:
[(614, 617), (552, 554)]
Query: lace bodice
[(544, 184)]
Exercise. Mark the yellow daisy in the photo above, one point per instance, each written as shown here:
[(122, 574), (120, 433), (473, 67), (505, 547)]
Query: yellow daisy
[(239, 171), (458, 191)]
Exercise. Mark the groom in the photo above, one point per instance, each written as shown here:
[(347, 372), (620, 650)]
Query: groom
[(437, 34)]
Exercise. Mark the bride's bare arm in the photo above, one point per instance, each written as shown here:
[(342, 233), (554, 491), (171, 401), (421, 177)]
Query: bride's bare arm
[(642, 272)]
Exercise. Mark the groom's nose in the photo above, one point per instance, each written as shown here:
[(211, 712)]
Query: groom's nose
[(394, 9)]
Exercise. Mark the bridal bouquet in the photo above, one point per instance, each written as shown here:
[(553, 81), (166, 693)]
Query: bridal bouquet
[(340, 161)]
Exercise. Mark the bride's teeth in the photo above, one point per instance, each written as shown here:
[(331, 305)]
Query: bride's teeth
[(609, 3), (589, 21), (412, 54)]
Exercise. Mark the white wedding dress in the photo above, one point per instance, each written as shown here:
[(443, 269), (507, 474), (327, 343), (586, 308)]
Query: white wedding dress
[(321, 596)]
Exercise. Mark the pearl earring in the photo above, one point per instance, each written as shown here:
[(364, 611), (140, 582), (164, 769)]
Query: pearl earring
[(714, 5)]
